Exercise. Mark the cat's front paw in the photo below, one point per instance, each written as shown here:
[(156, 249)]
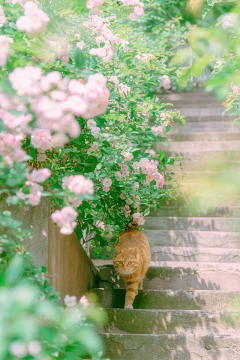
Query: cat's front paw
[(128, 307)]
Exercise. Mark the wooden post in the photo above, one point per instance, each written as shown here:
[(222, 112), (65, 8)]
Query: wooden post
[(69, 268)]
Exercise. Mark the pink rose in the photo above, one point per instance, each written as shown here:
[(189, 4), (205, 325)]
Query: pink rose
[(39, 175), (41, 139), (133, 16)]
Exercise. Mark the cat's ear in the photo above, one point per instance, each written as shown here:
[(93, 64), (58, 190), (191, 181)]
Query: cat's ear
[(134, 251), (117, 250)]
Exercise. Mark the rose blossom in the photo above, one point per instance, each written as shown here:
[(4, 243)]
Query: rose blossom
[(70, 301), (164, 81), (84, 302), (138, 10), (100, 224), (18, 349), (227, 24), (80, 44), (107, 182), (106, 188), (26, 80), (4, 49), (141, 221), (34, 348), (136, 216), (34, 195), (3, 18), (34, 20), (39, 175), (65, 59), (114, 79), (65, 219), (136, 185), (78, 184), (127, 155), (133, 16), (157, 130), (11, 148), (41, 139)]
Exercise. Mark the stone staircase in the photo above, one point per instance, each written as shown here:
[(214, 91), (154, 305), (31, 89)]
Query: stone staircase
[(190, 306)]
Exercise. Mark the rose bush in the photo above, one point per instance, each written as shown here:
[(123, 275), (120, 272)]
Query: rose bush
[(106, 103), (79, 122)]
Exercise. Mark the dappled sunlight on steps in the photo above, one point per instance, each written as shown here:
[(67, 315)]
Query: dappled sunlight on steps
[(189, 308)]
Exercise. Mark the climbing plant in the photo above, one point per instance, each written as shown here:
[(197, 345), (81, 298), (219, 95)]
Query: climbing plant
[(80, 122), (96, 85)]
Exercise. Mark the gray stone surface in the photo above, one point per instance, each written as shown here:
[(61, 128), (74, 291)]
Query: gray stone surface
[(199, 177), (184, 210), (200, 254), (192, 290), (35, 219), (201, 111), (176, 275), (193, 223), (179, 147), (206, 136), (204, 156), (199, 239), (206, 126), (172, 347), (214, 165), (172, 299), (201, 322)]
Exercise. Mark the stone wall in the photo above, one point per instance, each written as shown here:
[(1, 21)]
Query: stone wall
[(69, 268)]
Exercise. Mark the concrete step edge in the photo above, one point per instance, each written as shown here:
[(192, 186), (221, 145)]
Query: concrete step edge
[(195, 265)]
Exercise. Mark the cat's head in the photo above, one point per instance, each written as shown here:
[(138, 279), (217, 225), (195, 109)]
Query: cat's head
[(126, 261)]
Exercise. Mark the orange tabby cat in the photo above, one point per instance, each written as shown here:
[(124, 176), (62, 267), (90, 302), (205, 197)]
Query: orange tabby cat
[(131, 261)]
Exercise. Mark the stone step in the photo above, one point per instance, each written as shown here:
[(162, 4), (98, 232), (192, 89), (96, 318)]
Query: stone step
[(195, 98), (171, 347), (207, 177), (210, 191), (229, 118), (184, 239), (204, 136), (170, 299), (202, 156), (148, 321), (195, 211), (199, 254), (201, 111), (179, 105), (199, 239), (180, 148), (220, 126), (176, 275), (192, 223), (217, 165), (200, 196)]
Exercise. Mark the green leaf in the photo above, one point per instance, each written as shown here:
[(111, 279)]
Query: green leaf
[(15, 269), (79, 58), (181, 122)]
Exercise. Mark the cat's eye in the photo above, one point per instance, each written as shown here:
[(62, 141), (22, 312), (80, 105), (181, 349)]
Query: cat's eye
[(120, 262), (129, 263)]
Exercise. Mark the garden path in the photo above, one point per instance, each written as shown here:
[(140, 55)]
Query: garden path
[(187, 310)]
